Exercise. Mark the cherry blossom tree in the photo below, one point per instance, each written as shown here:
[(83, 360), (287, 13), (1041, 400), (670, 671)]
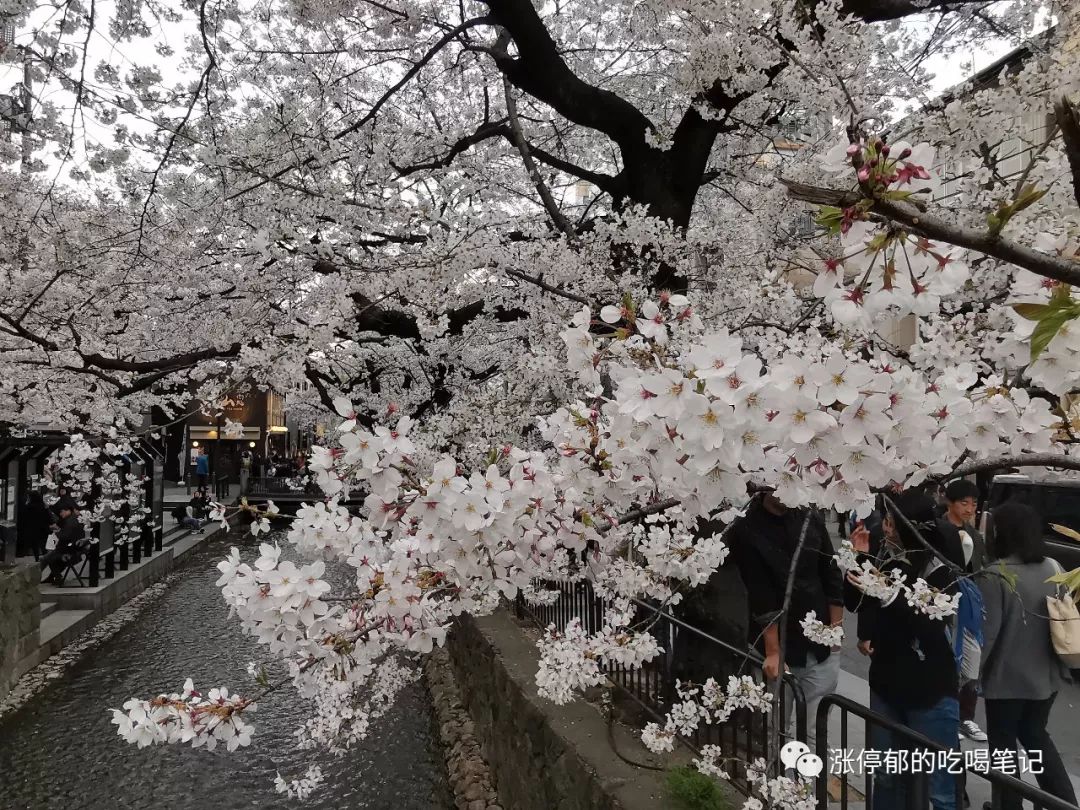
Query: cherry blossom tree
[(541, 259)]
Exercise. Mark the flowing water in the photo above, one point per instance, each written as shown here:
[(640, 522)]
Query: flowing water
[(60, 750)]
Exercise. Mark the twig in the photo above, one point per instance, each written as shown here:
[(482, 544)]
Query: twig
[(543, 285), (518, 137), (781, 627)]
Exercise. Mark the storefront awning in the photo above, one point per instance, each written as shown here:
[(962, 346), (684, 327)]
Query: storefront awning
[(206, 432)]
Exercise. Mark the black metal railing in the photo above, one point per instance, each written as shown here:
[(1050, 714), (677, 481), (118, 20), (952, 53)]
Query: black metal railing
[(689, 655), (913, 781), (222, 487), (270, 485)]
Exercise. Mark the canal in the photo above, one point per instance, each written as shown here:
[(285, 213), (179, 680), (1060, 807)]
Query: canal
[(60, 750)]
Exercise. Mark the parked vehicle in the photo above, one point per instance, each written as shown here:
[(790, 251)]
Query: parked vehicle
[(1056, 501)]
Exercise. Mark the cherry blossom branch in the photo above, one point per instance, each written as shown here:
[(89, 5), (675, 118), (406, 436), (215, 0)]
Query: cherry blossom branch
[(543, 285), (1004, 463), (637, 514), (918, 221)]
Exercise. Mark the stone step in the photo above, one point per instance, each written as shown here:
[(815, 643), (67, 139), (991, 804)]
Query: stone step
[(47, 609), (173, 533)]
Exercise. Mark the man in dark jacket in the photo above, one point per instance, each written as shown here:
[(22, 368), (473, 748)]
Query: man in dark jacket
[(961, 501), (763, 545), (69, 533), (913, 672)]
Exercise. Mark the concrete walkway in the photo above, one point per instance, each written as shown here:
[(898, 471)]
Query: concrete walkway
[(853, 685)]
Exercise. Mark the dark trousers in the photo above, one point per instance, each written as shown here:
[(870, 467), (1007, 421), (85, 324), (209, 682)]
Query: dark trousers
[(940, 723), (55, 561), (969, 699), (1010, 721)]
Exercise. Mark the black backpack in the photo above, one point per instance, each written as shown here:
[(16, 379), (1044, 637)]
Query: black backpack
[(179, 512)]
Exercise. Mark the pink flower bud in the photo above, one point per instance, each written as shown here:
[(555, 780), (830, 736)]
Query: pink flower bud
[(854, 149), (864, 174)]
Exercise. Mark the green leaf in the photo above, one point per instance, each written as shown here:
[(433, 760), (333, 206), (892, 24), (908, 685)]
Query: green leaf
[(1032, 312), (1028, 196), (1007, 575), (1072, 534), (829, 217), (1049, 325)]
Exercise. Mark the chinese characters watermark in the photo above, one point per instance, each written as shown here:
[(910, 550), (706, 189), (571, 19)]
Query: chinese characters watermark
[(846, 761)]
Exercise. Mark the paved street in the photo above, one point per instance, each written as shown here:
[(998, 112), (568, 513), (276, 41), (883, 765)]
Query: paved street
[(1064, 725)]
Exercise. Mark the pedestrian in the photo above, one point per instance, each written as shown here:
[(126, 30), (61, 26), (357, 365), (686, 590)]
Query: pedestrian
[(882, 537), (69, 534), (1021, 673), (246, 461), (201, 501), (913, 672), (202, 467), (961, 501), (763, 545), (34, 521)]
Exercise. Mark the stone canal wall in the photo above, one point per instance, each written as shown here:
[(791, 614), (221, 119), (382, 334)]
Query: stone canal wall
[(541, 756), (20, 618)]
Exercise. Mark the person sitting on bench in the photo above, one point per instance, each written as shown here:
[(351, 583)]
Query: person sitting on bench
[(190, 515), (69, 534)]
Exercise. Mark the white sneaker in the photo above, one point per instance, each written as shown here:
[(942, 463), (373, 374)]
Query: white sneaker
[(971, 730)]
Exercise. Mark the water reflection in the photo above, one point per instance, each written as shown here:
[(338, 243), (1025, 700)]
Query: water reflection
[(61, 751)]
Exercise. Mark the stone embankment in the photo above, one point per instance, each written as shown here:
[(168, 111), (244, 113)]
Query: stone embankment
[(470, 777)]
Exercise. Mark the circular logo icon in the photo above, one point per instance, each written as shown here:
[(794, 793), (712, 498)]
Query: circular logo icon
[(809, 765), (790, 753)]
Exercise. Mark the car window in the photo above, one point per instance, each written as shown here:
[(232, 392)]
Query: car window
[(1024, 493), (1061, 505)]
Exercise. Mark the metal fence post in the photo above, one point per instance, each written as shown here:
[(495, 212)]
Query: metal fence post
[(93, 557)]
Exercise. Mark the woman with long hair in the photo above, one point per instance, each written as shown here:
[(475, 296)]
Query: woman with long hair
[(1021, 673), (913, 673)]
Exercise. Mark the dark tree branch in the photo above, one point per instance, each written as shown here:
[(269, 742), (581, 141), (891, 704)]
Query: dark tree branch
[(174, 363), (1069, 123), (539, 282), (1009, 462), (919, 222), (883, 10), (540, 71), (517, 137)]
